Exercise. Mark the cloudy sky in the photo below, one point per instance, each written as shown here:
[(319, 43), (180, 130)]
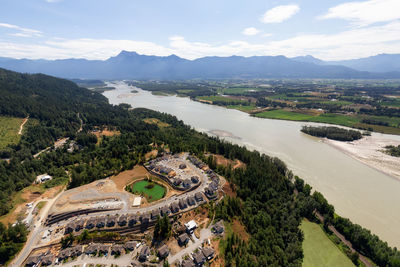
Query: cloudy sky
[(98, 29)]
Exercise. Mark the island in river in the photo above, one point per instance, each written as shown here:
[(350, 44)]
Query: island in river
[(359, 192)]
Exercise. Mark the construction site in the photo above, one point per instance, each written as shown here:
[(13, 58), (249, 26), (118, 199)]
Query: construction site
[(106, 211)]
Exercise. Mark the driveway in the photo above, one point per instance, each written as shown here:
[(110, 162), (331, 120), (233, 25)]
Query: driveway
[(204, 235)]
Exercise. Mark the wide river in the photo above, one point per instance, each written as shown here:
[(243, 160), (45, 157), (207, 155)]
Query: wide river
[(361, 193)]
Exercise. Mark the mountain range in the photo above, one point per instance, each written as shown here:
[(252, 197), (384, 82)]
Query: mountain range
[(130, 65), (380, 63)]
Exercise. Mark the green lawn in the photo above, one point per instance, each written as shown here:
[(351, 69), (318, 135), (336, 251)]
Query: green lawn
[(9, 128), (224, 99), (151, 190), (319, 250)]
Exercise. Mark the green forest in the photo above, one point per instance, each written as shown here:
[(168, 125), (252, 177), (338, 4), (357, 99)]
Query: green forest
[(334, 133), (270, 202)]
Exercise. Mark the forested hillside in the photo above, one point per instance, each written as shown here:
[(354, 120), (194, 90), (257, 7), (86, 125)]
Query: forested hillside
[(267, 203)]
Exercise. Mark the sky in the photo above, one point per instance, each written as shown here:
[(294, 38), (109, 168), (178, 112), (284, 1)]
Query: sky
[(99, 29)]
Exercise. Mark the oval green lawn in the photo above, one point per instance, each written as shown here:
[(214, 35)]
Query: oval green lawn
[(152, 194), (319, 250)]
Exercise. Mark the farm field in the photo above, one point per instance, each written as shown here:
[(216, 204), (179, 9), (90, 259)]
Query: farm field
[(337, 119), (9, 128), (151, 190), (223, 99), (319, 250), (242, 107)]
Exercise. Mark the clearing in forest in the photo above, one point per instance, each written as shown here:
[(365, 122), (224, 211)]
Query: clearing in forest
[(319, 250), (9, 128)]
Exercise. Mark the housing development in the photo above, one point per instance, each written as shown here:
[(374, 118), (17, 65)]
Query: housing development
[(112, 225)]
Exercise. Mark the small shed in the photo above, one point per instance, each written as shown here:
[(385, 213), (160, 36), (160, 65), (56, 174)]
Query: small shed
[(136, 201)]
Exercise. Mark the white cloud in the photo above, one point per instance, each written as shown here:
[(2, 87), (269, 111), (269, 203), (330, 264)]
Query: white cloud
[(22, 32), (250, 31), (279, 14), (353, 43), (53, 1), (366, 12)]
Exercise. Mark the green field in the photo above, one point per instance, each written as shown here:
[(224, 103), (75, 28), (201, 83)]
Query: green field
[(337, 119), (224, 99), (284, 115), (242, 108), (239, 90), (319, 250), (150, 190), (9, 128)]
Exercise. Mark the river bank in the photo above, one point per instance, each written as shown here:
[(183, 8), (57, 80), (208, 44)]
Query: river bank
[(363, 194), (369, 150)]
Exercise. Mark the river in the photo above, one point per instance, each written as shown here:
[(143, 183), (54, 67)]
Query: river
[(359, 192)]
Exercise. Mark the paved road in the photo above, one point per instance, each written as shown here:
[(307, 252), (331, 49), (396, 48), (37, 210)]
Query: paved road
[(123, 260), (204, 235), (34, 235)]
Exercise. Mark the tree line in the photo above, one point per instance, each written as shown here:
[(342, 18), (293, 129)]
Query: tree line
[(334, 133)]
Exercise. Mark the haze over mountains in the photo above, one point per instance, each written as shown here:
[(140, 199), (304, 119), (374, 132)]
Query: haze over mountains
[(130, 65), (379, 63)]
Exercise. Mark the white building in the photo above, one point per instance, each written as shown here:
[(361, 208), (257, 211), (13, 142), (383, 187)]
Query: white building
[(190, 226), (136, 201), (43, 178)]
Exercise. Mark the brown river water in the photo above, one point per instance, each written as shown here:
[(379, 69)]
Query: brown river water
[(366, 196)]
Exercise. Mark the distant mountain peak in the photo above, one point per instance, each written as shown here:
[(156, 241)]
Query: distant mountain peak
[(125, 53), (308, 59)]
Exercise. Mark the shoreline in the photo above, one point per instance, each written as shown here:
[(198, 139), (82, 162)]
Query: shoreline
[(369, 151)]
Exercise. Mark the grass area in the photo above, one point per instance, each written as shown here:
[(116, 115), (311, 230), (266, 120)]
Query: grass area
[(239, 90), (151, 190), (160, 93), (19, 198), (242, 108), (9, 128), (224, 99), (319, 250), (337, 119), (157, 122), (284, 115), (185, 91)]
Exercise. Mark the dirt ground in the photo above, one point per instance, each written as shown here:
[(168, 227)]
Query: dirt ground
[(199, 215), (29, 194), (228, 190), (105, 132), (173, 246), (126, 177), (218, 259), (239, 229), (221, 160), (151, 154)]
